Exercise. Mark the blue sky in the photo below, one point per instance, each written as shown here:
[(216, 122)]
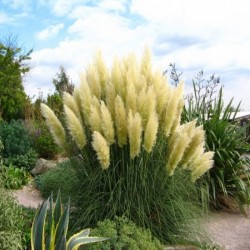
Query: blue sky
[(208, 35)]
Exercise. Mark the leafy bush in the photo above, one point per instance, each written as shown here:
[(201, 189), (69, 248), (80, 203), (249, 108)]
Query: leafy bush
[(25, 224), (132, 155), (13, 177), (26, 161), (10, 234), (15, 224), (229, 176), (10, 240), (63, 177), (43, 142), (15, 221), (15, 138), (124, 234)]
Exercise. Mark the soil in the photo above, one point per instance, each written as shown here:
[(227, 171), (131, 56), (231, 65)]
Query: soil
[(228, 229), (28, 196)]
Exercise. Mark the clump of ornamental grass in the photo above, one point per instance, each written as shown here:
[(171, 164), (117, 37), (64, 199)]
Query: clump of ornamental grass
[(228, 182), (132, 154)]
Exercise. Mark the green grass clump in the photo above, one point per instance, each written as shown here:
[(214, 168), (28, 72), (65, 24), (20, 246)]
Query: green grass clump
[(167, 206), (63, 177)]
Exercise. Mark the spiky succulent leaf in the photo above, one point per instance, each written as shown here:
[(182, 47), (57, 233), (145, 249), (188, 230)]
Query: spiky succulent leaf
[(38, 228), (61, 229), (51, 227), (82, 238)]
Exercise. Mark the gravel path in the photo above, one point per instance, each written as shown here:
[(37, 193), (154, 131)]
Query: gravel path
[(28, 196), (230, 230)]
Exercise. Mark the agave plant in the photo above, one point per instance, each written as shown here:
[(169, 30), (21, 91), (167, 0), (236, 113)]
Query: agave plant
[(52, 235)]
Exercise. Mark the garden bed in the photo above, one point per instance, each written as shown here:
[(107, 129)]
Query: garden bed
[(228, 229)]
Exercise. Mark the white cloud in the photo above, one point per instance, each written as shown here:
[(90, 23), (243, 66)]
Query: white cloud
[(39, 80), (50, 31), (113, 5), (216, 21), (238, 88), (210, 35), (61, 7), (96, 24), (109, 31)]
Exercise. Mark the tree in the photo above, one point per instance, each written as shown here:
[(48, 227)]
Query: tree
[(13, 67), (62, 82)]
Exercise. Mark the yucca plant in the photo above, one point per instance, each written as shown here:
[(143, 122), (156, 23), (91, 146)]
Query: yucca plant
[(50, 226), (123, 128), (230, 176)]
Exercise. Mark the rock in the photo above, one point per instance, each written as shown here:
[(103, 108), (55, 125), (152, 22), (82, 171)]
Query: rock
[(42, 166)]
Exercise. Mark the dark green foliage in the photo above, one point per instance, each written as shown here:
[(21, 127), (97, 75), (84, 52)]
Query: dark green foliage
[(24, 224), (15, 138), (55, 102), (63, 177), (12, 67), (229, 176), (123, 235), (62, 82), (43, 142), (13, 177), (26, 161)]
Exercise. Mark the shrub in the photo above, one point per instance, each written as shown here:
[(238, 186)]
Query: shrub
[(10, 234), (15, 224), (124, 234), (43, 142), (229, 176), (123, 129), (13, 177), (15, 138), (26, 161), (25, 224), (63, 177)]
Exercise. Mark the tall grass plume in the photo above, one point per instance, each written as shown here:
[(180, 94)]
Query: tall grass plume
[(131, 117)]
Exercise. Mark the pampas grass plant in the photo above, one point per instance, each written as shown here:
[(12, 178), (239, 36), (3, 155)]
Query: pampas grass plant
[(131, 147)]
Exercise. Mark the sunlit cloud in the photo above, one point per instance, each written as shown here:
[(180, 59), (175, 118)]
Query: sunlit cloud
[(61, 7), (50, 31), (208, 35)]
